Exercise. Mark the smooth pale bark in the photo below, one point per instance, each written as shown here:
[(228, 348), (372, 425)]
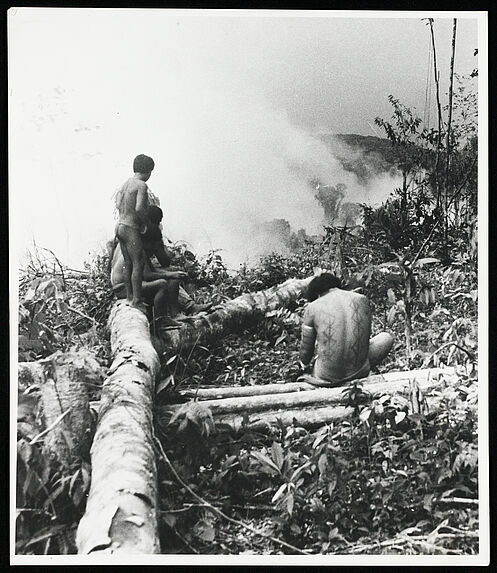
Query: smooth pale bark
[(62, 379), (317, 396), (305, 417), (421, 375), (121, 512), (256, 390), (231, 316), (308, 407)]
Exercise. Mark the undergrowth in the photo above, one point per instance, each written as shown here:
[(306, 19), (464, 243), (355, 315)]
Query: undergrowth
[(389, 480), (383, 474)]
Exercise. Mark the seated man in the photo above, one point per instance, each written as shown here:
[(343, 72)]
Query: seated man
[(339, 321), (154, 245), (159, 289)]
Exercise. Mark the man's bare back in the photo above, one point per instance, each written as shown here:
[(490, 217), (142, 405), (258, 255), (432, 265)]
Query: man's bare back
[(132, 203), (340, 323)]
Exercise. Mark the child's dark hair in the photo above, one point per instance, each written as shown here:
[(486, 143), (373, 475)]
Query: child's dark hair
[(155, 214), (143, 164), (321, 284), (152, 235)]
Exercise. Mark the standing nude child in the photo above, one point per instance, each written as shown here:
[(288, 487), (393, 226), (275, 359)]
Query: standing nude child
[(132, 205)]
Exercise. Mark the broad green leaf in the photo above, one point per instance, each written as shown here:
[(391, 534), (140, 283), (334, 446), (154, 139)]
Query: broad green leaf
[(169, 518), (264, 460), (277, 454), (322, 464), (289, 503), (299, 470), (279, 493), (163, 384), (426, 261), (365, 414), (208, 534)]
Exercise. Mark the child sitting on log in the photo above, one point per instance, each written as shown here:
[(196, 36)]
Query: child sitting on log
[(154, 245)]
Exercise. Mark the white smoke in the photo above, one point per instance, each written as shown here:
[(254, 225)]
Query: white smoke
[(224, 163), (226, 158)]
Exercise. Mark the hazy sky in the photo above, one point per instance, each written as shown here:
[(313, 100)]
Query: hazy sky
[(225, 103)]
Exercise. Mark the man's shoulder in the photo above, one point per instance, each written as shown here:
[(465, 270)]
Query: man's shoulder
[(344, 294), (311, 308), (130, 185), (338, 298), (141, 185)]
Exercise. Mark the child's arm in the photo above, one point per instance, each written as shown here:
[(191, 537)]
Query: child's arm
[(163, 254), (152, 273), (142, 203)]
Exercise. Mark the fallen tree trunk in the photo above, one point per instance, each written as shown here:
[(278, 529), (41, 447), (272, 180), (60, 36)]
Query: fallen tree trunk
[(305, 417), (231, 315), (121, 512), (305, 407), (283, 387), (61, 380)]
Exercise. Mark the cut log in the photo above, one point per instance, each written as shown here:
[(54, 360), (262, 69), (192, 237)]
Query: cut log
[(283, 387), (62, 380), (231, 316), (305, 417), (237, 391), (306, 407), (121, 512)]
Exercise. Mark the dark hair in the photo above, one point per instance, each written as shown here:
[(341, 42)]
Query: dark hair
[(143, 164), (155, 214), (321, 284), (152, 235)]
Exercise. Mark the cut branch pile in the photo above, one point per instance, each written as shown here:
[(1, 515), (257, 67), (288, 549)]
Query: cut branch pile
[(258, 407)]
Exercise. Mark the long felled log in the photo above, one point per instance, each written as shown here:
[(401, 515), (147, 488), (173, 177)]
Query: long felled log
[(232, 314), (306, 407), (121, 512), (283, 387), (301, 416)]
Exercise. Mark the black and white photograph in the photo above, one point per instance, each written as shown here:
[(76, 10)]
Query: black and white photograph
[(248, 286)]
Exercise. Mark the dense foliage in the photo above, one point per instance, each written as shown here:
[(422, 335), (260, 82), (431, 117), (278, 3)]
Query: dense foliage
[(352, 488)]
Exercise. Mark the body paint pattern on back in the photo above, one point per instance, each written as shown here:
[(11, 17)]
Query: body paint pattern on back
[(330, 339), (359, 317)]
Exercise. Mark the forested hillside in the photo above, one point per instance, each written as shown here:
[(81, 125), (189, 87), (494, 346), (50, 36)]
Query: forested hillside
[(364, 155), (396, 473)]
